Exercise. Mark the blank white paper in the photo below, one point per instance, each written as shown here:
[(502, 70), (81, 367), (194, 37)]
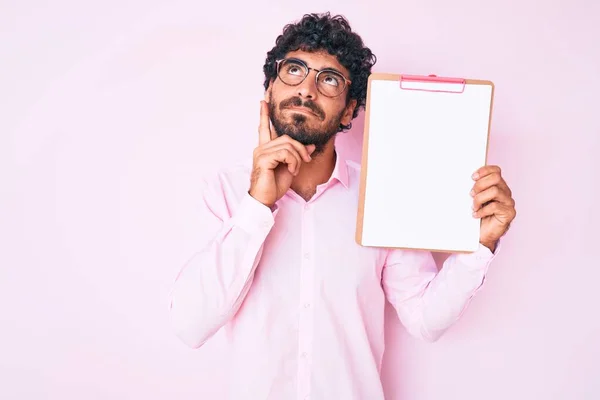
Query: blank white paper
[(423, 148)]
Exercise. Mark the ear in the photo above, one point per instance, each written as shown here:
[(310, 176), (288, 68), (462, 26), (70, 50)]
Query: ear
[(348, 111)]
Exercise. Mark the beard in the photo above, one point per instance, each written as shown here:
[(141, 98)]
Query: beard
[(299, 129)]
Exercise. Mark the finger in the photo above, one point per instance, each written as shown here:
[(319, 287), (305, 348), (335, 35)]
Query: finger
[(292, 150), (264, 130), (493, 179), (270, 161), (485, 171), (304, 151), (502, 213), (489, 209), (283, 153), (494, 193), (291, 158)]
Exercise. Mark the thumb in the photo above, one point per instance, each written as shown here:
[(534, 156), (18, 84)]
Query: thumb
[(310, 148)]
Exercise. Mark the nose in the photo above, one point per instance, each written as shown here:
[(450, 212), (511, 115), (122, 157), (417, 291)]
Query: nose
[(308, 89)]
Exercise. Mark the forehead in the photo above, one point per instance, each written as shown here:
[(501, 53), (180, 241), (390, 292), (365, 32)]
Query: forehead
[(318, 60)]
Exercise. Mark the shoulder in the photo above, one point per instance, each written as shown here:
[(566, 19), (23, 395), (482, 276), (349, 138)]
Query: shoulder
[(230, 177), (225, 187)]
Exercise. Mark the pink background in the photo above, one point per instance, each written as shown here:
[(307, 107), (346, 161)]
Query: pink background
[(110, 114)]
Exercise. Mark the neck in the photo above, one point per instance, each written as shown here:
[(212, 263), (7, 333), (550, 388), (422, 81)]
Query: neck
[(317, 172)]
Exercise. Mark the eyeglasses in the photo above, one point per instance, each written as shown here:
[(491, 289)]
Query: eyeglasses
[(293, 72)]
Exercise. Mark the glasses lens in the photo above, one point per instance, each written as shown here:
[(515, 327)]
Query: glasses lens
[(331, 83), (292, 72)]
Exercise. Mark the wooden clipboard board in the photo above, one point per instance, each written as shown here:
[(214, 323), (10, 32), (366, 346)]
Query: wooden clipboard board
[(408, 116)]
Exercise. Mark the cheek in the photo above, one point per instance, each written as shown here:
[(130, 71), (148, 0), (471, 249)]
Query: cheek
[(335, 112)]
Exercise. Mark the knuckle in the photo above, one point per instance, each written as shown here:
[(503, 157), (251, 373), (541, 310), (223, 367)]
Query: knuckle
[(288, 146)]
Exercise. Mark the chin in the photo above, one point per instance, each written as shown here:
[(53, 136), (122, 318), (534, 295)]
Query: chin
[(300, 135), (302, 128)]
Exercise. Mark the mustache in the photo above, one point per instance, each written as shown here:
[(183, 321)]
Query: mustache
[(297, 102)]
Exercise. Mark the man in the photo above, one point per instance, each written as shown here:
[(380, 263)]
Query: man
[(301, 304)]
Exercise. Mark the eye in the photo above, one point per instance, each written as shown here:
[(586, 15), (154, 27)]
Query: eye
[(294, 69), (331, 78)]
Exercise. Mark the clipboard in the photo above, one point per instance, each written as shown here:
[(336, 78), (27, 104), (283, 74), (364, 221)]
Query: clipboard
[(424, 137)]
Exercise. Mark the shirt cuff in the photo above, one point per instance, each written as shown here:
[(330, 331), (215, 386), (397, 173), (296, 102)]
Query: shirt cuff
[(253, 216), (480, 258)]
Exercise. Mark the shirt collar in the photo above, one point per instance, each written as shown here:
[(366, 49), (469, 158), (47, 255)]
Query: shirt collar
[(340, 171)]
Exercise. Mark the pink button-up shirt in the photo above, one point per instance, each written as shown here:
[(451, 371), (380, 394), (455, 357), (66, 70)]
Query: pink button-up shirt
[(301, 303)]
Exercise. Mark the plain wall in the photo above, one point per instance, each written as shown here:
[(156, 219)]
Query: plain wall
[(112, 112)]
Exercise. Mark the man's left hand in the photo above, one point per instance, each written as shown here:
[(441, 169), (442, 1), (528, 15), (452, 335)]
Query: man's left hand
[(493, 203)]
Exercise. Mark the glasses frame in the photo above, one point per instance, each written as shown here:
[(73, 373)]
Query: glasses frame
[(347, 81)]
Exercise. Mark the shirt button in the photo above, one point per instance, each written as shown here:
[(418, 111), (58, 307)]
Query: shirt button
[(306, 256), (306, 305), (304, 354)]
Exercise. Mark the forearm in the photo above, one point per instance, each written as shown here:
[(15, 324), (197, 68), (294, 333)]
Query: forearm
[(428, 302), (212, 285), (448, 294)]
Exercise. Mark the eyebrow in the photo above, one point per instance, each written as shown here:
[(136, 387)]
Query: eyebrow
[(320, 69)]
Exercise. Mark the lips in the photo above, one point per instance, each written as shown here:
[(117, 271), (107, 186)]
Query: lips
[(303, 109)]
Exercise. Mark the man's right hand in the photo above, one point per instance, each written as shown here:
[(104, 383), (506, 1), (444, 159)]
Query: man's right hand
[(276, 161)]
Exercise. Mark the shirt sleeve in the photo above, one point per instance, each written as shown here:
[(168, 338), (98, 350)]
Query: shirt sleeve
[(212, 285), (429, 302)]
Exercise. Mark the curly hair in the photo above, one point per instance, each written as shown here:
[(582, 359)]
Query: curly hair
[(323, 32)]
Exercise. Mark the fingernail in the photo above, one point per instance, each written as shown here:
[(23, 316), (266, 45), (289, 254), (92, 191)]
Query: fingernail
[(475, 175), (472, 193)]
